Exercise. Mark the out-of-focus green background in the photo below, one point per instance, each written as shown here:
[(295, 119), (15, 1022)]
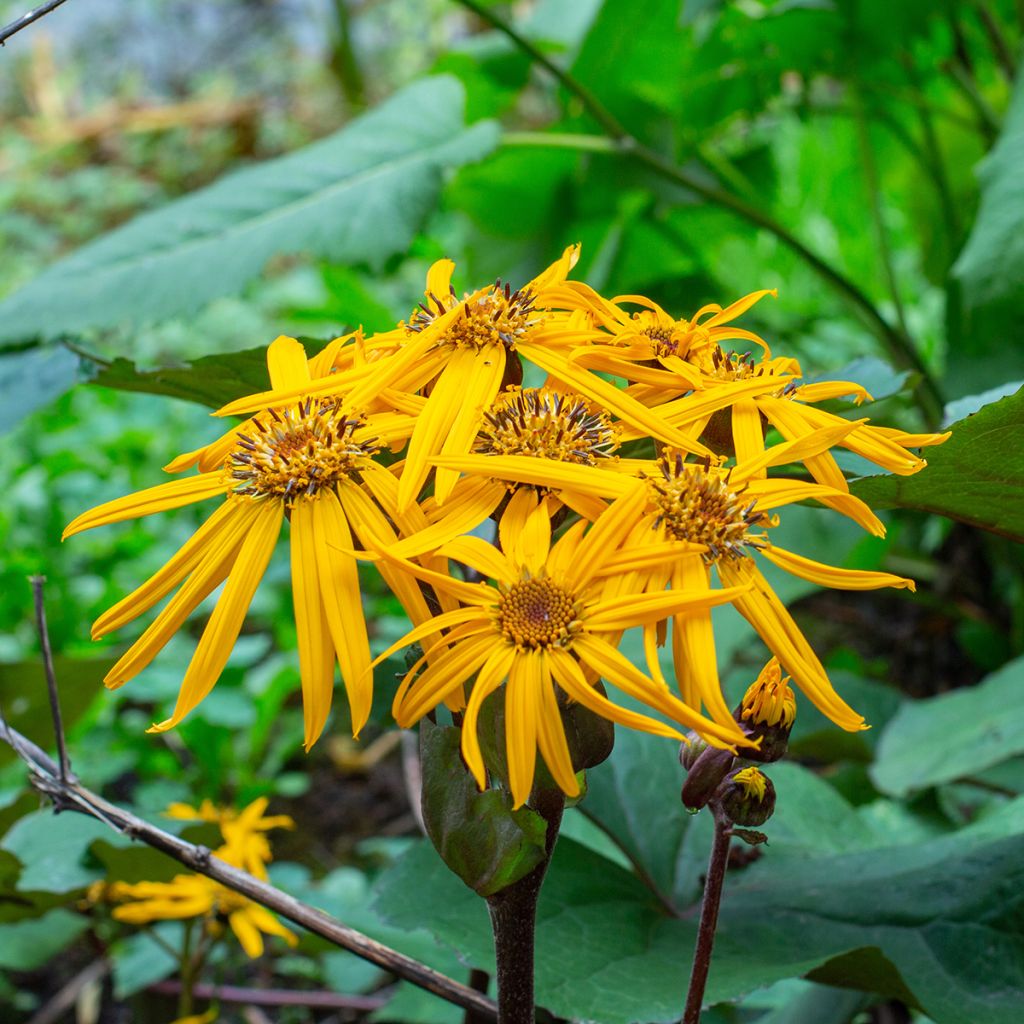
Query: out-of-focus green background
[(886, 139)]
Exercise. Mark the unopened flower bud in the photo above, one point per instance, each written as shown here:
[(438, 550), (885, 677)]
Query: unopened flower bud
[(748, 797), (705, 774), (768, 710)]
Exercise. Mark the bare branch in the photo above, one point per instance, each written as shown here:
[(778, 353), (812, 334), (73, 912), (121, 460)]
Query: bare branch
[(274, 996), (68, 794), (26, 19), (38, 582)]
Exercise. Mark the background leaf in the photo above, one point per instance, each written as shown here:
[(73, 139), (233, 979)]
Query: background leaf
[(358, 195)]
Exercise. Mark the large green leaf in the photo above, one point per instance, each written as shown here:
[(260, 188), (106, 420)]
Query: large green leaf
[(977, 476), (943, 919), (991, 266), (358, 195), (954, 735), (26, 945)]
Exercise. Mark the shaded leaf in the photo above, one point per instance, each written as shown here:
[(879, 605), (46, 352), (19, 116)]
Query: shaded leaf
[(954, 735), (26, 945), (358, 195), (977, 476), (31, 379)]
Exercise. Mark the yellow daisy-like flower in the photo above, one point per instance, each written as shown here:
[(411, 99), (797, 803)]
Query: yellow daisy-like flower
[(721, 514), (769, 700), (546, 623), (307, 462), (190, 896), (245, 841)]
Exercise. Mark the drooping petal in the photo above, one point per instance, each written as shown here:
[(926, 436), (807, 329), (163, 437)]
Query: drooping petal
[(521, 709), (554, 747), (526, 469), (341, 599), (287, 364), (484, 557), (316, 653), (440, 678), (165, 579), (492, 674), (221, 631), (640, 609), (173, 494), (831, 575)]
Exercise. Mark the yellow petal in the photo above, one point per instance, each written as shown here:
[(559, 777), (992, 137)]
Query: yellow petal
[(521, 707), (247, 933), (513, 520), (221, 631), (172, 494), (440, 678), (286, 363), (747, 433), (439, 279), (165, 579), (206, 577), (491, 675), (605, 537), (532, 543), (550, 733), (316, 653), (570, 677), (833, 576), (526, 469), (484, 557), (640, 609), (739, 307), (465, 510)]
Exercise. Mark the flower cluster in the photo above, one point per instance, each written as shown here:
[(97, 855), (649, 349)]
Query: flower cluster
[(190, 896), (635, 466)]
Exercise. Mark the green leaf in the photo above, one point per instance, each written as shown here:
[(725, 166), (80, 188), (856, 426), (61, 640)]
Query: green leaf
[(358, 195), (52, 848), (606, 952), (478, 835), (141, 960), (991, 266), (26, 945), (977, 476), (954, 735), (31, 379)]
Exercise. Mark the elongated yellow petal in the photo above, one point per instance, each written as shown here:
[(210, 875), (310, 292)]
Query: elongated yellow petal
[(650, 556), (739, 307), (172, 494), (612, 398), (790, 419), (247, 933), (219, 558), (831, 575), (221, 631), (476, 395), (287, 364), (762, 608), (532, 543), (521, 708), (813, 443), (823, 390), (525, 469), (316, 653), (570, 677), (550, 733), (165, 579), (606, 661), (491, 675), (513, 520), (693, 644), (417, 356), (420, 632), (606, 535), (452, 669), (341, 598), (747, 432), (640, 609), (484, 557)]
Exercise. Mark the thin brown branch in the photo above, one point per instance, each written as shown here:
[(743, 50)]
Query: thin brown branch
[(272, 996), (27, 18), (70, 795), (38, 582)]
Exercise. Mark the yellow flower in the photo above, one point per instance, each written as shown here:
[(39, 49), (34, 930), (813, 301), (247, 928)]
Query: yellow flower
[(752, 782), (720, 515), (189, 896), (308, 462), (545, 623), (769, 700), (198, 1018), (245, 842)]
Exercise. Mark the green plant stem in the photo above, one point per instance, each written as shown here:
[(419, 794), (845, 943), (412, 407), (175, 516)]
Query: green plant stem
[(513, 914), (713, 882), (897, 344)]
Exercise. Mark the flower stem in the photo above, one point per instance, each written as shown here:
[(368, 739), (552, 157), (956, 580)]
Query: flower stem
[(186, 973), (513, 920), (708, 917)]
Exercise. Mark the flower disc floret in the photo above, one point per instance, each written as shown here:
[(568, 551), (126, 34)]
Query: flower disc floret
[(298, 451), (547, 424), (536, 613), (498, 316), (696, 504)]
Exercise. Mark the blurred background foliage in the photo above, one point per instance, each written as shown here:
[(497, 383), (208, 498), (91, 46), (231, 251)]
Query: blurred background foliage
[(861, 156)]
